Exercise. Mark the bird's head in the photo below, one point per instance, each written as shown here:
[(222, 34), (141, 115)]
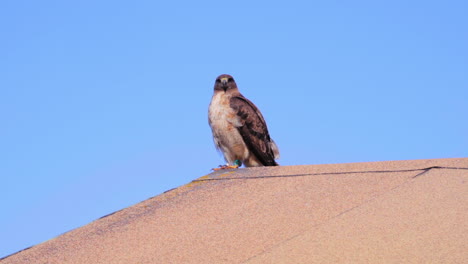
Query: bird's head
[(225, 83)]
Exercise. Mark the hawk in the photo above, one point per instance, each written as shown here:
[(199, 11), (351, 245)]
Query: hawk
[(239, 129)]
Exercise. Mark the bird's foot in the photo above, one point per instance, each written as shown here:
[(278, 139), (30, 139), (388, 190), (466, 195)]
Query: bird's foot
[(236, 165), (225, 167)]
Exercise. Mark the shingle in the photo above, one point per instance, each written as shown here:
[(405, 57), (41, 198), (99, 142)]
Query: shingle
[(395, 211)]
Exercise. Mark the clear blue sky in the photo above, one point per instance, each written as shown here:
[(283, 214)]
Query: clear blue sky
[(104, 104)]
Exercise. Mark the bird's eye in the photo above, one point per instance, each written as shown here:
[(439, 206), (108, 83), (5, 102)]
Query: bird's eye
[(230, 80), (218, 80)]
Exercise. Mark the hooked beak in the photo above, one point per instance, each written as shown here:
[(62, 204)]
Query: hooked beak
[(224, 82)]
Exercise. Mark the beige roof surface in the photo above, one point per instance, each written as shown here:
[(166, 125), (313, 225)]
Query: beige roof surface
[(394, 212)]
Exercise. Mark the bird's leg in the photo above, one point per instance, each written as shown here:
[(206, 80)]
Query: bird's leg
[(237, 164)]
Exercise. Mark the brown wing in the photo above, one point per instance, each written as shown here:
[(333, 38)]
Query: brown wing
[(254, 130)]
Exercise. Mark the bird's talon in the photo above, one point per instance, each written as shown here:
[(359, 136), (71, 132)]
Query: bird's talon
[(225, 167)]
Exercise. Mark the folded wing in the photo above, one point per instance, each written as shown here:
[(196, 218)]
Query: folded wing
[(254, 131)]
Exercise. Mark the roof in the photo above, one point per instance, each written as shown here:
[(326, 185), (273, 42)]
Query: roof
[(394, 211)]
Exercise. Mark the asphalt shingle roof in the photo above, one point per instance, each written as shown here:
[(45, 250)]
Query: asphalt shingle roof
[(395, 211)]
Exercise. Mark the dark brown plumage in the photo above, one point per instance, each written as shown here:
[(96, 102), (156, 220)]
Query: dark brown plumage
[(254, 130)]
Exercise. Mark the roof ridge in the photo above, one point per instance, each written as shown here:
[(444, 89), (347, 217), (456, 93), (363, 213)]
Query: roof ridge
[(424, 170)]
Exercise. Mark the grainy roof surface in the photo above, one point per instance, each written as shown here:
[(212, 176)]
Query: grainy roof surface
[(412, 211)]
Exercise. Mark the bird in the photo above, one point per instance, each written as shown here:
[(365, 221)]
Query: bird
[(239, 130)]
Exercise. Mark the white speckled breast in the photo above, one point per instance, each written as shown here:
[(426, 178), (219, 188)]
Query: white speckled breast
[(223, 121)]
